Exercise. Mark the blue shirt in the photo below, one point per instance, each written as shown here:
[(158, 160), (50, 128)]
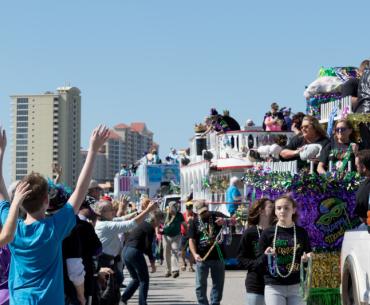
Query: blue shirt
[(36, 268), (231, 193)]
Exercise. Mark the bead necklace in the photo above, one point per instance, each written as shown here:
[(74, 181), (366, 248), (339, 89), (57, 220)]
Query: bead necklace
[(294, 252), (258, 232)]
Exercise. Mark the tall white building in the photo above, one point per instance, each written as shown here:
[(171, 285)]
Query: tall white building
[(46, 130)]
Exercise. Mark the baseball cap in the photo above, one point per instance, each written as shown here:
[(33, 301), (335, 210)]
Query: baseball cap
[(200, 207)]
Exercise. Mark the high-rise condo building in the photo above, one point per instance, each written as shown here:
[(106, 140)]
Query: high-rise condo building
[(126, 145), (46, 130)]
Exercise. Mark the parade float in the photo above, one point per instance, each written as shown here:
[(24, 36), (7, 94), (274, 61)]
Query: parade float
[(326, 202), (150, 179)]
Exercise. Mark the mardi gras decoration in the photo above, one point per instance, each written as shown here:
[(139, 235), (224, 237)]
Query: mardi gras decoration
[(326, 211)]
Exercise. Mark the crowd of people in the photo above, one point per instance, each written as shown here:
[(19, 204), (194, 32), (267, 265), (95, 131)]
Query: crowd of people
[(63, 247)]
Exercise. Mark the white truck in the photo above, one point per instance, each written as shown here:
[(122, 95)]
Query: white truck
[(355, 267)]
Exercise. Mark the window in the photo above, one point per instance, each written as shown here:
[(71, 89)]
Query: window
[(22, 100), (21, 172), (21, 147), (21, 166), (22, 107), (22, 142), (22, 112), (21, 159), (21, 154), (20, 130), (22, 136), (22, 124), (22, 118)]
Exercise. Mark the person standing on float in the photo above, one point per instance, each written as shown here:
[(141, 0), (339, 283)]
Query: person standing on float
[(282, 247)]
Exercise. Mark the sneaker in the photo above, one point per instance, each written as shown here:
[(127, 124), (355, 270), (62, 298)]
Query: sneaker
[(183, 268), (191, 269), (167, 274), (175, 274)]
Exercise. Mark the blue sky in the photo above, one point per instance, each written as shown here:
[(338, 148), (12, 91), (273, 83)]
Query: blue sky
[(168, 62)]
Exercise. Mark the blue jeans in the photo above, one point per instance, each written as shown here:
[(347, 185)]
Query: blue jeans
[(255, 299), (138, 269), (218, 276)]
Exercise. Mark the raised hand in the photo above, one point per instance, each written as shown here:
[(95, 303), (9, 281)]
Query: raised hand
[(98, 137), (21, 193), (3, 140)]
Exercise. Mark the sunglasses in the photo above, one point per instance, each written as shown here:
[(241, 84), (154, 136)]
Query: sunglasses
[(341, 129), (305, 127)]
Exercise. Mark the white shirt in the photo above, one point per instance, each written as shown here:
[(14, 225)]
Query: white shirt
[(108, 233)]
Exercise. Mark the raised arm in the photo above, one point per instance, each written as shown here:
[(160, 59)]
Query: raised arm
[(3, 191), (97, 139), (7, 233)]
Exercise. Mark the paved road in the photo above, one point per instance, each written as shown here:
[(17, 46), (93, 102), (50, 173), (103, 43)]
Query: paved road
[(181, 291)]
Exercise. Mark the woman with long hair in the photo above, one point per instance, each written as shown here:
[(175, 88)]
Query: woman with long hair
[(281, 248), (261, 216), (340, 153), (312, 133)]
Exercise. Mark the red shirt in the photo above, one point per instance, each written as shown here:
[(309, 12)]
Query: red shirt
[(186, 218)]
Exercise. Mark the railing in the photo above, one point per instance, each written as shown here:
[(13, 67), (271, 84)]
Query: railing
[(341, 104), (289, 166), (238, 142), (234, 143)]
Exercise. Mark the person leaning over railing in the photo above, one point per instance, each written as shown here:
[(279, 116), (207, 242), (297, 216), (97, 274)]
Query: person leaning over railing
[(312, 133)]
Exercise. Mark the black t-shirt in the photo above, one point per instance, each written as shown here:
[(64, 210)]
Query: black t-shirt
[(298, 141), (350, 87), (71, 248), (336, 152), (248, 251), (141, 238), (91, 247), (204, 232), (362, 199), (284, 250)]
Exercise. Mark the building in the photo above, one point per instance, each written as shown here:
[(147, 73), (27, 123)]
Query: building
[(46, 130), (126, 145)]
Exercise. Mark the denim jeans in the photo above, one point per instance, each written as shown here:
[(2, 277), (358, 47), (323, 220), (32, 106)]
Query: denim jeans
[(283, 295), (138, 269), (218, 276), (255, 299)]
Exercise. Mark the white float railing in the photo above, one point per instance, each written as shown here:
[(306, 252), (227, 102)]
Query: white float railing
[(327, 108), (289, 166)]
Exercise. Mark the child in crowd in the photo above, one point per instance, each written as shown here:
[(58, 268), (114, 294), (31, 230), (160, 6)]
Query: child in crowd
[(260, 217), (36, 271), (281, 249)]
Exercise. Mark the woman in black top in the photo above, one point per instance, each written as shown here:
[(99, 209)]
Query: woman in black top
[(282, 247), (260, 217), (139, 242), (340, 153), (312, 133)]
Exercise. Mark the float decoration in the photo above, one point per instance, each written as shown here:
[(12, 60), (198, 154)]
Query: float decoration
[(326, 210)]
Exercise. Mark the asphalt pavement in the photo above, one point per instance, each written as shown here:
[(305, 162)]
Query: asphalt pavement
[(181, 291)]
